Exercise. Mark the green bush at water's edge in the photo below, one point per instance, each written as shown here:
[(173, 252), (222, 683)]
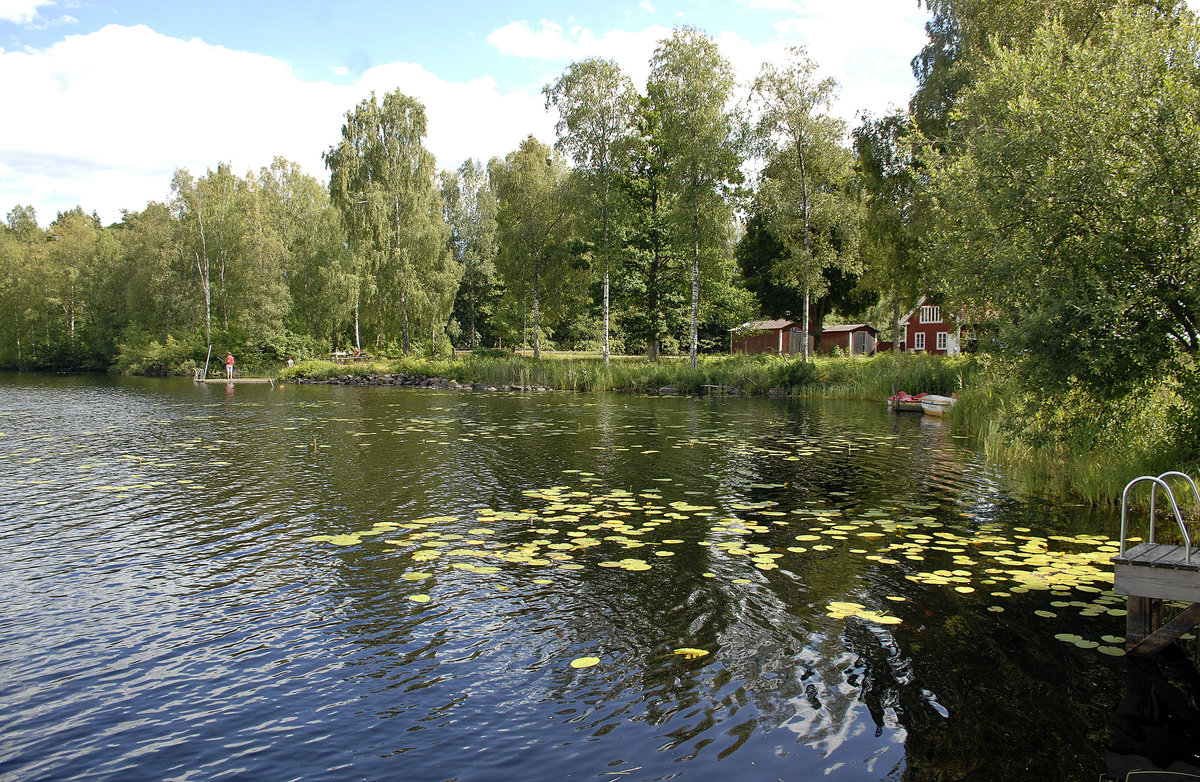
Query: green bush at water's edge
[(1073, 440), (142, 354)]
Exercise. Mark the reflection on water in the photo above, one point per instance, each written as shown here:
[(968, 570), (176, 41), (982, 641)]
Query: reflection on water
[(207, 582)]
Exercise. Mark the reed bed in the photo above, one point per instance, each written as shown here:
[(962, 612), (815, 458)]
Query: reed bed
[(872, 378)]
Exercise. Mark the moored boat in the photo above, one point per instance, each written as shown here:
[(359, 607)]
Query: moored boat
[(934, 404), (904, 402)]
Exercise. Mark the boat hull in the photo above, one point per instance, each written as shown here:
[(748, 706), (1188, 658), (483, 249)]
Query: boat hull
[(932, 404)]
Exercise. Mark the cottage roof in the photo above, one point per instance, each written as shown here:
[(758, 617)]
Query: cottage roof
[(766, 325), (850, 327)]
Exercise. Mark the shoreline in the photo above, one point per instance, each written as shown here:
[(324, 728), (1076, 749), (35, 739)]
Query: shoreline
[(432, 382)]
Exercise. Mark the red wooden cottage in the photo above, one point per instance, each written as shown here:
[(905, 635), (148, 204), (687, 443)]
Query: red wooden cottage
[(782, 337), (926, 330)]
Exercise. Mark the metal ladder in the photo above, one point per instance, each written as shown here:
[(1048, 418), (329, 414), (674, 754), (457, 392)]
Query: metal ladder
[(1155, 482)]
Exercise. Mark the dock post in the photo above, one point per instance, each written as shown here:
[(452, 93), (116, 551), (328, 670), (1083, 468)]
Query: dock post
[(1143, 618)]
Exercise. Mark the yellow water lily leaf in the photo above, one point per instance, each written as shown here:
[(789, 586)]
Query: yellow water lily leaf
[(419, 598), (690, 653), (584, 662)]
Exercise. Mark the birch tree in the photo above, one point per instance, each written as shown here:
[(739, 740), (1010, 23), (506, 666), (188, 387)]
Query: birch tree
[(382, 180), (691, 85), (596, 103), (803, 189), (471, 214)]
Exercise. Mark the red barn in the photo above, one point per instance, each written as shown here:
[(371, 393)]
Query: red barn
[(926, 330), (780, 336)]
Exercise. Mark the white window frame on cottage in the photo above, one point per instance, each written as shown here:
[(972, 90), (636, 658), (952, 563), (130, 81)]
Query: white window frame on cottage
[(943, 339), (930, 314), (919, 340)]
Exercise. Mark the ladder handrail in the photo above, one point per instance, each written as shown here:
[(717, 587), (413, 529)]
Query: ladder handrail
[(1195, 493), (1159, 481)]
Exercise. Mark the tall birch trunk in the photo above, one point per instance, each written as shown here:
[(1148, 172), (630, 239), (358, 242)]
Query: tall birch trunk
[(695, 348), (537, 354)]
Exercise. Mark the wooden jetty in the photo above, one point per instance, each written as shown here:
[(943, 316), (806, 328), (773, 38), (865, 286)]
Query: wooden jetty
[(1152, 572), (222, 380)]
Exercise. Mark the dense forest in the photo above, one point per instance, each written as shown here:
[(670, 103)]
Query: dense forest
[(1044, 183)]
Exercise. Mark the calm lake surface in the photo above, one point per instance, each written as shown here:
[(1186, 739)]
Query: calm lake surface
[(310, 582)]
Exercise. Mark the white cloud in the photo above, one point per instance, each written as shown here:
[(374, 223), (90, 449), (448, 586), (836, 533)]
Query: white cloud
[(647, 6), (21, 11), (866, 46), (631, 50), (772, 5), (102, 120)]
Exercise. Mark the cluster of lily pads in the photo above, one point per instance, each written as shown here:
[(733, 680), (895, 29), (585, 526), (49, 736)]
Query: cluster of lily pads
[(570, 527), (985, 561)]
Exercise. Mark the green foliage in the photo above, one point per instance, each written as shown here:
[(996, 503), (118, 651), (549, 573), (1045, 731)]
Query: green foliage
[(886, 373), (690, 85), (538, 261), (804, 196), (596, 104), (1067, 214), (471, 215), (850, 378), (382, 182), (894, 212), (144, 355), (1076, 441)]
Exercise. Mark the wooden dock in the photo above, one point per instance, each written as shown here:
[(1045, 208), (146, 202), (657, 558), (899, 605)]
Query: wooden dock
[(1152, 572), (222, 381)]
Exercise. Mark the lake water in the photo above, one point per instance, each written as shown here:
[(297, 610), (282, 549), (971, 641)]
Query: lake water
[(309, 582)]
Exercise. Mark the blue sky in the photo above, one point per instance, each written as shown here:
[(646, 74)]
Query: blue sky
[(106, 98)]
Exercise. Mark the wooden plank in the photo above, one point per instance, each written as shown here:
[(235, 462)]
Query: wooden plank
[(1157, 582), (1145, 553), (1175, 559), (1166, 635), (236, 380)]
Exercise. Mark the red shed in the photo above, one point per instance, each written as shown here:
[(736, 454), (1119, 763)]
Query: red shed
[(857, 339)]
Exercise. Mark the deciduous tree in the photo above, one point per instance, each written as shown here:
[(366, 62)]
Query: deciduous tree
[(691, 85), (1068, 211), (805, 190), (595, 102), (382, 180)]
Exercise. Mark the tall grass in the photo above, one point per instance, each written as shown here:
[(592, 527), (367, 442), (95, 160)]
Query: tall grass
[(872, 378), (1072, 440)]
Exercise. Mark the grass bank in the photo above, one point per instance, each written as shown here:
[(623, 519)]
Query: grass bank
[(847, 378), (1073, 441)]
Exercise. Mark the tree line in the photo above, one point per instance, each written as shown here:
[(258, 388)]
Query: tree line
[(1043, 182)]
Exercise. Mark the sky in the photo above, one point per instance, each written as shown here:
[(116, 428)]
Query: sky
[(104, 99)]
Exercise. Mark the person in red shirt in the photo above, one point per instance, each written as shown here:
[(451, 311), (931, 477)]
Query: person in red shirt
[(229, 366)]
